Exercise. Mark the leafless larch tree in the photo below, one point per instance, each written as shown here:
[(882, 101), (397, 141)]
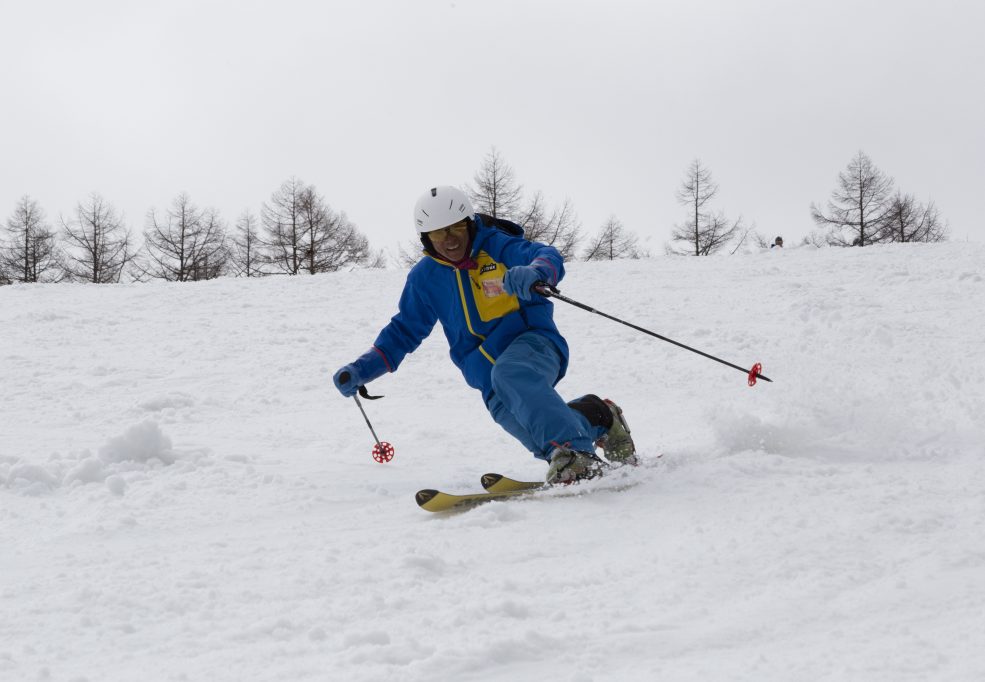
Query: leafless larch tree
[(284, 229), (409, 252), (703, 232), (186, 244), (859, 207), (613, 242), (246, 248), (907, 220), (28, 252), (98, 243), (331, 240), (560, 229), (494, 190), (304, 234)]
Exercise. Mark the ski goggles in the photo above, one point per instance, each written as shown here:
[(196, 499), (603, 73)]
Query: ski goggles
[(458, 229)]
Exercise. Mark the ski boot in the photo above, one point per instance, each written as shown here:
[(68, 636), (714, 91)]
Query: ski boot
[(617, 443), (568, 466)]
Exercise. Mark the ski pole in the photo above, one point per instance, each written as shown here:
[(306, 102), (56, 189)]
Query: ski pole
[(550, 291), (382, 451)]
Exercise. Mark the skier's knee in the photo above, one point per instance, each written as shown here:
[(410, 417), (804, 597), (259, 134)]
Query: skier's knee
[(595, 410)]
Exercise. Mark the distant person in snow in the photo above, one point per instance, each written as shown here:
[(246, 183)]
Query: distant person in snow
[(777, 243), (477, 277)]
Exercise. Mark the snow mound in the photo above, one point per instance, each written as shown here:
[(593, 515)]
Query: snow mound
[(140, 448), (142, 443)]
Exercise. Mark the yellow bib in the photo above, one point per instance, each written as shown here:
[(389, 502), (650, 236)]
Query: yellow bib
[(491, 300)]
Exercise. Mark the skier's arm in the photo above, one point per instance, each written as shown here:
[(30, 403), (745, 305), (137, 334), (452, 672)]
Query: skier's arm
[(407, 329), (529, 263)]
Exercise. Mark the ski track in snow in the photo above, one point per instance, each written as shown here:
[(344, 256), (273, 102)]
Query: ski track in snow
[(184, 496)]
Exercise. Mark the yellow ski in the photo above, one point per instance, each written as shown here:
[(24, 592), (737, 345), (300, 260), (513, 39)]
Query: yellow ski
[(437, 501), (497, 483)]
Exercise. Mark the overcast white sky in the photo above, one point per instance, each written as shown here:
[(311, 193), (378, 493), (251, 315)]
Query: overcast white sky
[(604, 102)]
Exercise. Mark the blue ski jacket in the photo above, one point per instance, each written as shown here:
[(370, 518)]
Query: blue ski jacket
[(478, 317)]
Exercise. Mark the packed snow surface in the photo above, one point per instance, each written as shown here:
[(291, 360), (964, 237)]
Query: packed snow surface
[(185, 496)]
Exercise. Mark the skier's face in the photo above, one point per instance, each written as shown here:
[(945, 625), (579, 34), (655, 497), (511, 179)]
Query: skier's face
[(451, 242)]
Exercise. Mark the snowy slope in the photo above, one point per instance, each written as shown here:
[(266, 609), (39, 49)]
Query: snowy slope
[(184, 496)]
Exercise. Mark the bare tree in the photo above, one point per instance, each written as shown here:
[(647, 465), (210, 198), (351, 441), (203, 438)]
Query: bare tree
[(495, 191), (4, 279), (757, 238), (29, 254), (696, 191), (343, 246), (816, 239), (212, 249), (331, 240), (377, 261), (317, 224), (246, 247), (703, 232), (409, 253), (561, 229), (717, 232), (859, 206), (613, 241), (304, 234), (761, 240), (907, 220), (98, 243), (187, 244), (283, 225)]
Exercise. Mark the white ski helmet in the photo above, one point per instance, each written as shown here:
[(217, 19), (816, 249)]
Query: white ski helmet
[(440, 207)]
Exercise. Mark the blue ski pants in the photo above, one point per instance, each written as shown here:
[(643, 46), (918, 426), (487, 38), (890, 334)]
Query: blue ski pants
[(525, 403)]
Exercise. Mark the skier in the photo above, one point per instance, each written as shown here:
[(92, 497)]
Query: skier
[(478, 281)]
